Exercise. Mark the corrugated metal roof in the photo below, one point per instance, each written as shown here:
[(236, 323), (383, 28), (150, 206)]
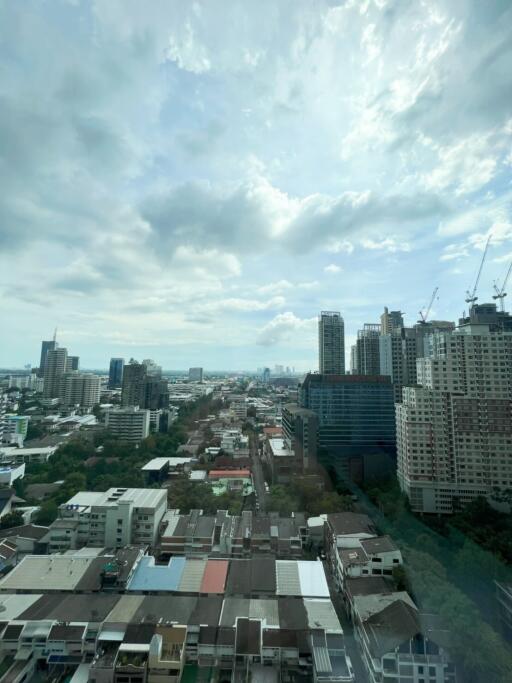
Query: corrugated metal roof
[(192, 576), (233, 608), (214, 577), (288, 581), (321, 614), (320, 653), (266, 610), (313, 583)]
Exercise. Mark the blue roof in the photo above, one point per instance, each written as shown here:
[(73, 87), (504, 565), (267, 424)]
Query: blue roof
[(151, 577)]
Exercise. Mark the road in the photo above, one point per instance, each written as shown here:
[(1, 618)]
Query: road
[(257, 470)]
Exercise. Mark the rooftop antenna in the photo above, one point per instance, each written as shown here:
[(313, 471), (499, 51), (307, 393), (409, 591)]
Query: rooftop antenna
[(471, 297), (55, 335), (424, 316), (500, 292)]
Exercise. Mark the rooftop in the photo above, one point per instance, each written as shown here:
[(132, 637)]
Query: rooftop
[(380, 544), (349, 523)]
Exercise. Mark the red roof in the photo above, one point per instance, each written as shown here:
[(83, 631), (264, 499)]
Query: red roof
[(229, 474), (214, 577), (273, 430)]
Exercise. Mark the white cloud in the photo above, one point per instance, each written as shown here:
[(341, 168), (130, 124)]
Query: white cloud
[(466, 165), (390, 244), (332, 268), (287, 328)]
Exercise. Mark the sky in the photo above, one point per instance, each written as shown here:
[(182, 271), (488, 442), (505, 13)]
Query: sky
[(193, 181)]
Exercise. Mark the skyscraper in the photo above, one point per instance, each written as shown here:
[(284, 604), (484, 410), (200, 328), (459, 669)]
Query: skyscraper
[(401, 347), (331, 343), (195, 375), (454, 430), (367, 350), (134, 375), (391, 320), (356, 421), (72, 363), (152, 369), (115, 374), (156, 394), (54, 368), (46, 346), (82, 389)]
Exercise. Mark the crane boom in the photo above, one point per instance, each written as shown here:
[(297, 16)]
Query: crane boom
[(500, 292), (471, 296), (424, 316)]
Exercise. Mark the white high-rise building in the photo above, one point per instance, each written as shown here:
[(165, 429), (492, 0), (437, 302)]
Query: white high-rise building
[(331, 343), (454, 430), (82, 389)]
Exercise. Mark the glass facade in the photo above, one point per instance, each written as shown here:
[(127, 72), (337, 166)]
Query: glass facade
[(356, 416)]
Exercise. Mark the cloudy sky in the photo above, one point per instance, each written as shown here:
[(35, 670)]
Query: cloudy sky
[(194, 181)]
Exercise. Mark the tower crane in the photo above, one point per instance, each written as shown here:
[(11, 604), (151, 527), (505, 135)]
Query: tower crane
[(424, 316), (500, 292), (471, 296)]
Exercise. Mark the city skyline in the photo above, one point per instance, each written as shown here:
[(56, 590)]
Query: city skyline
[(197, 190)]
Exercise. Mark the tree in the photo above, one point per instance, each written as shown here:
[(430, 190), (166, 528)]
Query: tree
[(11, 519), (34, 431), (47, 513), (281, 499)]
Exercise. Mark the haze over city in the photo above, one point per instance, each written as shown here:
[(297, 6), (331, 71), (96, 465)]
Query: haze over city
[(196, 188)]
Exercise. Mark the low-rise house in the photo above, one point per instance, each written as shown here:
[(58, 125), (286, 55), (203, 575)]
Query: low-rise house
[(227, 535), (396, 641), (28, 538), (376, 556), (29, 456)]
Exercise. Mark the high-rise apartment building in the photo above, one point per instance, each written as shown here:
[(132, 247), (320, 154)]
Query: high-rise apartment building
[(331, 343), (454, 430), (128, 424), (367, 350), (79, 389), (134, 376), (3, 404), (152, 369), (356, 421), (115, 373), (400, 348), (72, 363), (46, 346), (54, 368), (353, 359), (391, 320), (195, 375), (156, 394)]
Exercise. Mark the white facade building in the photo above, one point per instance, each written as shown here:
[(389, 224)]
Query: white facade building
[(117, 517), (454, 431), (128, 424), (9, 473)]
